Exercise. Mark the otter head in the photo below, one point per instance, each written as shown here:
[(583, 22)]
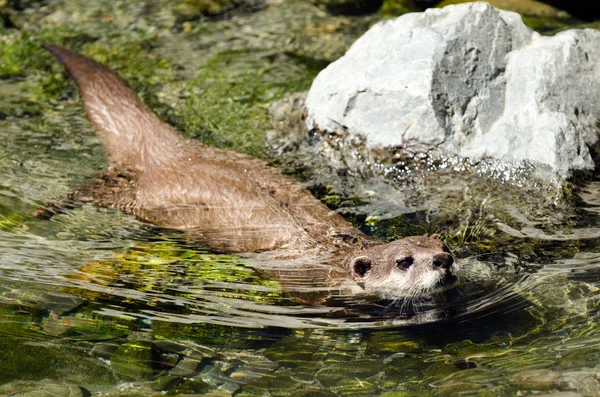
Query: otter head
[(413, 266)]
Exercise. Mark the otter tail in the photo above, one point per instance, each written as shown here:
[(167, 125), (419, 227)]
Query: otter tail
[(130, 131)]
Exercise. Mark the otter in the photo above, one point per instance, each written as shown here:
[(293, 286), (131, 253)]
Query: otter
[(230, 202)]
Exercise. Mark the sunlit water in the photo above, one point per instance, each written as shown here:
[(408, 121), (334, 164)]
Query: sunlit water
[(147, 305), (95, 301)]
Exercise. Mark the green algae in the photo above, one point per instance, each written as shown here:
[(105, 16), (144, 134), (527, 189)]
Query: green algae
[(12, 223), (160, 267), (133, 361), (226, 102), (22, 360)]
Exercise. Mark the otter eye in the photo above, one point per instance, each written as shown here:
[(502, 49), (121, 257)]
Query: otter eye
[(362, 265), (405, 263)]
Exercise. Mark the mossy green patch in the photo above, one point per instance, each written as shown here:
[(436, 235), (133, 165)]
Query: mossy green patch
[(24, 60), (165, 266), (33, 361), (226, 104), (133, 361)]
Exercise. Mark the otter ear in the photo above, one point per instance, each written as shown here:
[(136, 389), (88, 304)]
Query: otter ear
[(361, 265)]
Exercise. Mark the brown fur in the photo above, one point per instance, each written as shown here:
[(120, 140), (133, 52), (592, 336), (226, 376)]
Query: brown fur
[(230, 202)]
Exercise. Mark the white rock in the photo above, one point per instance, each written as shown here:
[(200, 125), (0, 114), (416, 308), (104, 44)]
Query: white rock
[(467, 79)]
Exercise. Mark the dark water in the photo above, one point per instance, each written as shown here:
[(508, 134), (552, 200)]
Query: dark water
[(95, 302)]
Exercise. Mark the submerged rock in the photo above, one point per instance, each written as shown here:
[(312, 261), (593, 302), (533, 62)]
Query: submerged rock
[(467, 80), (133, 361)]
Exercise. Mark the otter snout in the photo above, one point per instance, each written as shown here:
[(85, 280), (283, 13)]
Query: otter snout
[(443, 260)]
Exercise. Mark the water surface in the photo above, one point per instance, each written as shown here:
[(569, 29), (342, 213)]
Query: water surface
[(95, 301)]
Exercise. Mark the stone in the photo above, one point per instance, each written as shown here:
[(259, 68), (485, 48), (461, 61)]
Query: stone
[(247, 373), (584, 382), (186, 367), (133, 361), (213, 376), (185, 348), (467, 80), (332, 375), (104, 349), (536, 379), (60, 303)]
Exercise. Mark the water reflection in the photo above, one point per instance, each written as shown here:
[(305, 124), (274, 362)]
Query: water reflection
[(169, 280)]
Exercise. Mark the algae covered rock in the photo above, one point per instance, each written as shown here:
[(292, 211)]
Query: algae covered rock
[(133, 361), (467, 80)]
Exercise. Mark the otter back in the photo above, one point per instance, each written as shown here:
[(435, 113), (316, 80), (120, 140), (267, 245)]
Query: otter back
[(229, 201)]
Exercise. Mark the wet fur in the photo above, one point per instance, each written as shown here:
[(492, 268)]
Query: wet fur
[(228, 201)]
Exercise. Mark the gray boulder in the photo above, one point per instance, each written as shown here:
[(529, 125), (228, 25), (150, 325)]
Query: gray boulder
[(469, 80)]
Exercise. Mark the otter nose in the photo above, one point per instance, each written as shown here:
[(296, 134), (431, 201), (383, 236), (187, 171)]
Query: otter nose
[(443, 260)]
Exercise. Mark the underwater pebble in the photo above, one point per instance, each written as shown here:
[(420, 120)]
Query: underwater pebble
[(186, 367), (60, 303), (189, 349), (279, 382), (291, 353), (213, 376), (169, 359), (229, 387), (390, 359), (333, 375), (104, 349), (55, 326), (247, 373), (165, 383), (584, 382), (193, 386), (536, 379), (64, 235), (133, 361)]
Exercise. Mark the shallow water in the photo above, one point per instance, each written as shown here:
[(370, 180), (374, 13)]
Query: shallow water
[(93, 301)]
